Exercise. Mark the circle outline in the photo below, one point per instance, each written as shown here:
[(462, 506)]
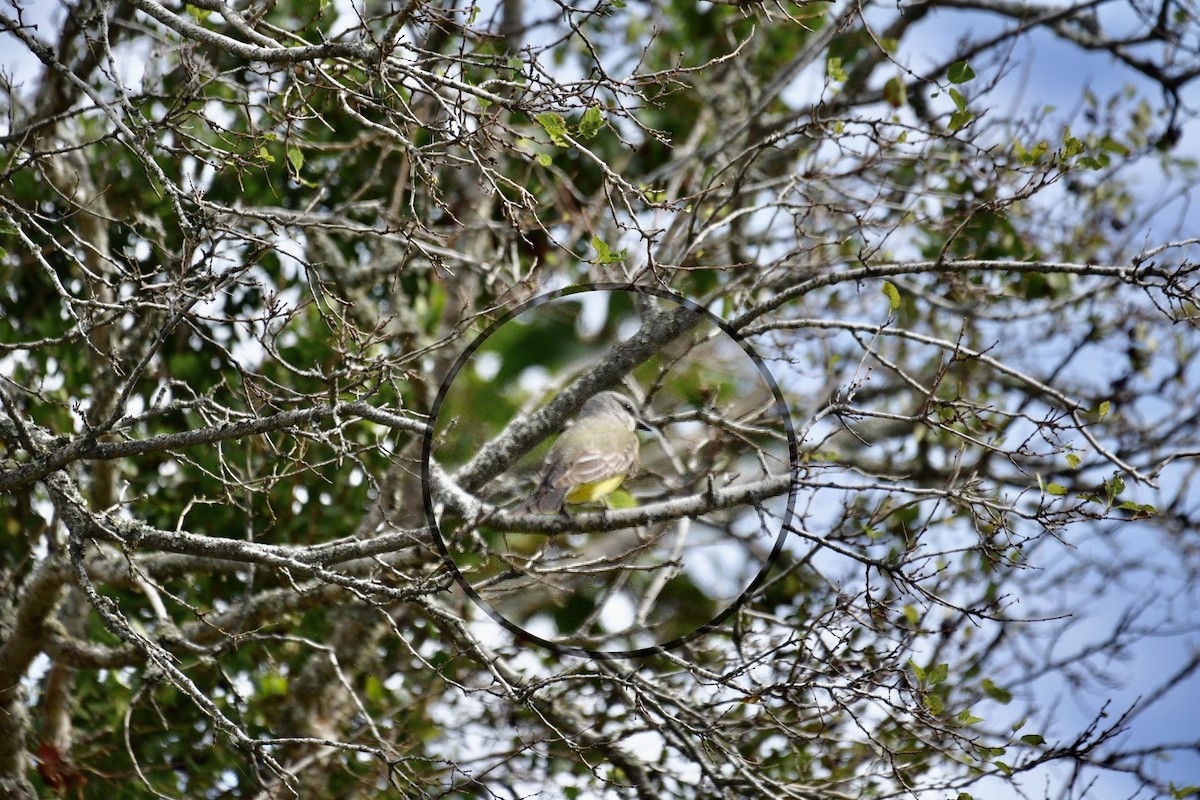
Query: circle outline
[(574, 650)]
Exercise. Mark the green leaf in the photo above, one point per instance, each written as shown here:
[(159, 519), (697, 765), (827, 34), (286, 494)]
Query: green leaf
[(920, 673), (1073, 460), (201, 14), (1071, 145), (604, 253), (296, 158), (939, 674), (892, 293), (959, 119), (274, 685), (1056, 489), (265, 155), (1141, 510), (912, 615), (960, 99), (1105, 407), (1113, 487), (1033, 739), (834, 70), (1182, 792), (997, 693), (1019, 724), (1005, 768), (895, 92), (555, 127), (873, 533), (544, 159), (1033, 154), (965, 717), (1110, 145), (935, 704), (592, 122), (960, 72)]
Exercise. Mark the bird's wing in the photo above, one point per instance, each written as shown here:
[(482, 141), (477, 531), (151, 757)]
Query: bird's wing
[(591, 466)]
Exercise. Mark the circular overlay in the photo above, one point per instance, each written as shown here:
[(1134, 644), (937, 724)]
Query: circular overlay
[(707, 509)]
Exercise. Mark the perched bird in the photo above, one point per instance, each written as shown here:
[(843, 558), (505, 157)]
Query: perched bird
[(591, 458)]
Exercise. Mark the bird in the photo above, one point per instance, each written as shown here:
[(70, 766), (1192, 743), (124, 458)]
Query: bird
[(592, 457)]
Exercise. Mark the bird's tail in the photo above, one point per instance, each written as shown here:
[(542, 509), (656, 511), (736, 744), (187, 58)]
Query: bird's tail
[(546, 499)]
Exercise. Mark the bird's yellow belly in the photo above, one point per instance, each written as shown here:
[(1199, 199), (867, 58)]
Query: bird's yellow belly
[(588, 492)]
